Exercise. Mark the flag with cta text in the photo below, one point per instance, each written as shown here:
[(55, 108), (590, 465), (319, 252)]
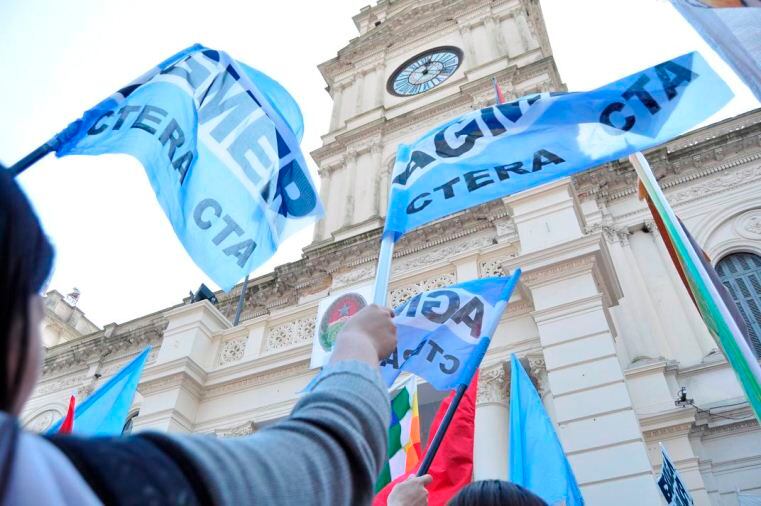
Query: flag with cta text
[(219, 142), (440, 332), (510, 147), (105, 411), (404, 451)]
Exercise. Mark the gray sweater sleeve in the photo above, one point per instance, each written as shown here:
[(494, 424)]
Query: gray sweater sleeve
[(329, 451)]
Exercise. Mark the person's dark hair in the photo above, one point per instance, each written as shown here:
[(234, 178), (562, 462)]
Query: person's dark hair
[(495, 493), (26, 259)]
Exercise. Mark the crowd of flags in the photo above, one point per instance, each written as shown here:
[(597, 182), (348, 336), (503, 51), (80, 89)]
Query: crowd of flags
[(220, 145)]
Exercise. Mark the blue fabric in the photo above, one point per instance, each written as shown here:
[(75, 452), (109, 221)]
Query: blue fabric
[(105, 411), (507, 148), (220, 144), (442, 334), (537, 461)]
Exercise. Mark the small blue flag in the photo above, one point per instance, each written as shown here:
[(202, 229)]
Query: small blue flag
[(537, 461), (443, 334), (507, 148), (105, 411), (220, 145)]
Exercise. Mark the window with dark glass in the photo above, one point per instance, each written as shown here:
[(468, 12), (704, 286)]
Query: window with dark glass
[(741, 274)]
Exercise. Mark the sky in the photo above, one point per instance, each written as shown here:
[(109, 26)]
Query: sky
[(112, 239)]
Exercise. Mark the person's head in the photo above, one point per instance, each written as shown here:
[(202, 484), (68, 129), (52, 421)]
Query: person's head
[(26, 259), (495, 493)]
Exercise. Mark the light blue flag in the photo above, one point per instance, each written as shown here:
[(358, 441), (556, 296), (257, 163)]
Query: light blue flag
[(443, 334), (220, 145), (537, 461), (507, 148), (105, 411)]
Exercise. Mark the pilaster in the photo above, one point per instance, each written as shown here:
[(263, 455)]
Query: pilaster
[(572, 284), (491, 448), (172, 387)]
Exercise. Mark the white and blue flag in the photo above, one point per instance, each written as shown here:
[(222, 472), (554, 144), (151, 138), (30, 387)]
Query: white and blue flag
[(220, 144), (442, 334), (507, 148)]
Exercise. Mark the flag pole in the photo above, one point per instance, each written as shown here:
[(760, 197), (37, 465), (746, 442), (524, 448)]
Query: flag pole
[(32, 158), (383, 272), (469, 370), (738, 353), (478, 355), (240, 301)]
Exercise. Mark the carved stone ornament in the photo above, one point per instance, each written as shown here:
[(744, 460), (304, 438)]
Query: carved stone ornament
[(364, 271), (493, 385), (290, 334), (232, 351), (748, 224), (400, 295), (244, 429), (43, 421), (537, 370)]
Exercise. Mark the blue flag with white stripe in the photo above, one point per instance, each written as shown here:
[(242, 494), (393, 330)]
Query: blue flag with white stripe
[(442, 334), (507, 148), (220, 144)]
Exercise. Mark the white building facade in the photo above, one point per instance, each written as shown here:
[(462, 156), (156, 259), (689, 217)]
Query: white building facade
[(600, 317)]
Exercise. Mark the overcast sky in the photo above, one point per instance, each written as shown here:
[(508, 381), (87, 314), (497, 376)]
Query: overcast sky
[(113, 241)]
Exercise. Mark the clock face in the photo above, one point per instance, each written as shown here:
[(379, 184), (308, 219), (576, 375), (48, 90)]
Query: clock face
[(425, 71)]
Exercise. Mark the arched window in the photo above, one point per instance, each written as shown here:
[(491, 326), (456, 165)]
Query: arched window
[(127, 429), (741, 274)]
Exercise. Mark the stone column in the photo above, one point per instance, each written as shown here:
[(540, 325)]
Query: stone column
[(703, 338), (490, 452), (359, 84), (470, 55), (335, 119), (351, 174), (572, 283), (325, 176), (651, 342), (376, 170), (172, 387), (380, 84), (492, 25)]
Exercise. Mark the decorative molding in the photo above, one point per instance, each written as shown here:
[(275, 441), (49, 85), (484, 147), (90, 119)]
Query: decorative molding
[(364, 271), (290, 334), (495, 266), (679, 429), (43, 421), (258, 378), (493, 385), (244, 429), (748, 224), (399, 295), (537, 370), (232, 351), (58, 384)]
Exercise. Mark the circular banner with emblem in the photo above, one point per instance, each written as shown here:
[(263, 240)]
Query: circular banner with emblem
[(336, 316)]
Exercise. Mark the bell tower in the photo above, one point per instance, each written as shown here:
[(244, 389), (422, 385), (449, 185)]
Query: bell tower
[(414, 65)]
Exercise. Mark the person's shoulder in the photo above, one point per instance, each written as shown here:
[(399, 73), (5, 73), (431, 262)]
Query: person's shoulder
[(42, 472)]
